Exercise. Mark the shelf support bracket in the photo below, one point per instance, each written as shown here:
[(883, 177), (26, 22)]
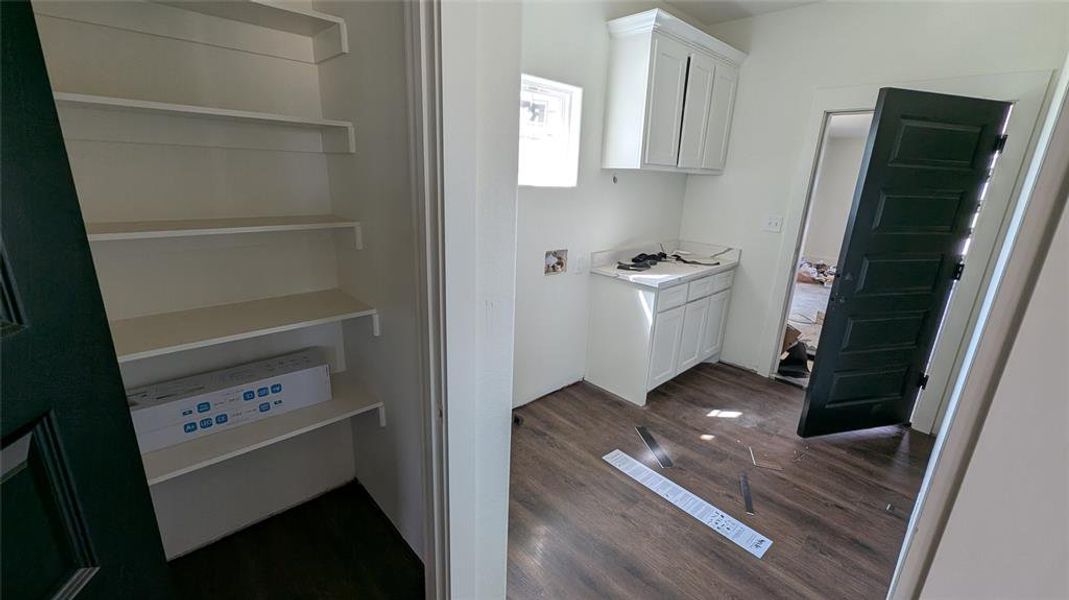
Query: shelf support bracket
[(358, 236), (382, 416), (376, 325)]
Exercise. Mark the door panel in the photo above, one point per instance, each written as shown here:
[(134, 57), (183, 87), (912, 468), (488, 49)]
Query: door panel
[(664, 351), (45, 546), (713, 328), (721, 107), (695, 314), (76, 518), (696, 109), (668, 76), (922, 175)]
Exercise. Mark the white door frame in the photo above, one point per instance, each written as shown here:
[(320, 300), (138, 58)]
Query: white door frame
[(814, 179), (1028, 90), (1032, 222), (423, 34)]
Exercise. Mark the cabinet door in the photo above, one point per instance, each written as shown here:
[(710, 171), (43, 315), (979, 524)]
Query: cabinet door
[(667, 328), (713, 329), (696, 110), (690, 340), (719, 121), (668, 75)]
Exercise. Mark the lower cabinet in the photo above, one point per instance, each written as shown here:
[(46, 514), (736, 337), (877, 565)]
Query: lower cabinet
[(691, 342), (685, 336), (640, 337), (664, 354), (713, 326)]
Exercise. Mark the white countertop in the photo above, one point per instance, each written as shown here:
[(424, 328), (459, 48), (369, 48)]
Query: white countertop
[(667, 274)]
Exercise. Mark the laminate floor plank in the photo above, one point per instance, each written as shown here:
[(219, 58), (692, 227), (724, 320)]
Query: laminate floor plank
[(337, 546), (578, 528)]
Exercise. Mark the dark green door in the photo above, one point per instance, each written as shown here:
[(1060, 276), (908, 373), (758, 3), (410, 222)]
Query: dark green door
[(77, 520), (922, 177)]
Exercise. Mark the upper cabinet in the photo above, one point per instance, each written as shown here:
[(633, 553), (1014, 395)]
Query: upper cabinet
[(671, 94)]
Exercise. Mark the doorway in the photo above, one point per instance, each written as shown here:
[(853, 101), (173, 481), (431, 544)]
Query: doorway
[(828, 212)]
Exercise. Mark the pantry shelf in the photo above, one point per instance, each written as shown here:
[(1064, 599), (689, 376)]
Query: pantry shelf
[(328, 34), (159, 334), (338, 136), (136, 230), (349, 398)]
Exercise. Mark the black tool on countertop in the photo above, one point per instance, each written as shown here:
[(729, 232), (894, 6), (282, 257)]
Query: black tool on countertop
[(642, 262)]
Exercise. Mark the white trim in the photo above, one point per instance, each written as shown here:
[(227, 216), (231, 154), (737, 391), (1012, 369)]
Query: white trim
[(667, 24), (423, 34), (1020, 258)]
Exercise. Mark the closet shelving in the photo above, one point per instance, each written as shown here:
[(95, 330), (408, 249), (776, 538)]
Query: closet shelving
[(136, 230), (338, 136), (328, 32), (349, 399), (187, 201), (165, 333)]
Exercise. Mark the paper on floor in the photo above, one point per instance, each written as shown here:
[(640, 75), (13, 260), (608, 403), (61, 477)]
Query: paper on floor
[(713, 517)]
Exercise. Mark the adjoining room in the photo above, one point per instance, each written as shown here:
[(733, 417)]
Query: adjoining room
[(741, 316)]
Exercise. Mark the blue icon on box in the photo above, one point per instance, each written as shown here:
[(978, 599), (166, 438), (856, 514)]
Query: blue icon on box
[(261, 392), (276, 388), (205, 423), (277, 402), (220, 419), (248, 395), (187, 412), (204, 407), (189, 427), (265, 406)]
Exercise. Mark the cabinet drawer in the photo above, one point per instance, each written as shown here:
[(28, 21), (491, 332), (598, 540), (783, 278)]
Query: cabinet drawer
[(700, 288), (722, 281), (671, 297), (709, 285)]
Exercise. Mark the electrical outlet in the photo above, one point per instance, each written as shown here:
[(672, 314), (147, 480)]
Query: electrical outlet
[(773, 223)]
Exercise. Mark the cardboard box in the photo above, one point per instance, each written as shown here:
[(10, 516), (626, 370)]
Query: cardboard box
[(176, 411)]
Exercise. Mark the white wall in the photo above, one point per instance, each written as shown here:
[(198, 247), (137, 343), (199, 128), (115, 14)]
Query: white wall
[(833, 195), (480, 129), (1008, 533), (368, 87), (794, 52), (569, 42)]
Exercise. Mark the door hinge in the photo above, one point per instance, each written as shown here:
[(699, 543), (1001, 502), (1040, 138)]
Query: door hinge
[(923, 383), (1000, 143), (958, 270)]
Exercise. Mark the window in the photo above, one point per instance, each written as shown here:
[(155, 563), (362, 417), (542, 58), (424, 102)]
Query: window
[(549, 132)]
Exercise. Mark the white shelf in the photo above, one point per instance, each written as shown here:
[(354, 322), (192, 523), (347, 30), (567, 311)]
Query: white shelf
[(155, 335), (338, 136), (350, 398), (136, 230), (328, 32)]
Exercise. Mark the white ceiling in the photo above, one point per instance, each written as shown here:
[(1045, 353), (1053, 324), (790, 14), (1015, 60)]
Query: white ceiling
[(710, 12), (849, 125)]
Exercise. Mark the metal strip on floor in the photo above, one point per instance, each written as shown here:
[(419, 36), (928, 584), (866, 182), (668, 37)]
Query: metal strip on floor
[(714, 518), (747, 497), (658, 452)]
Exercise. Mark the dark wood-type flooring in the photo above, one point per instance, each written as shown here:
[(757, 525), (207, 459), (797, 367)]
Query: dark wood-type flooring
[(339, 545), (578, 528)]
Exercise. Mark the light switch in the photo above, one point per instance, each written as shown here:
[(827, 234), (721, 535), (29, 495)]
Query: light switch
[(773, 223)]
